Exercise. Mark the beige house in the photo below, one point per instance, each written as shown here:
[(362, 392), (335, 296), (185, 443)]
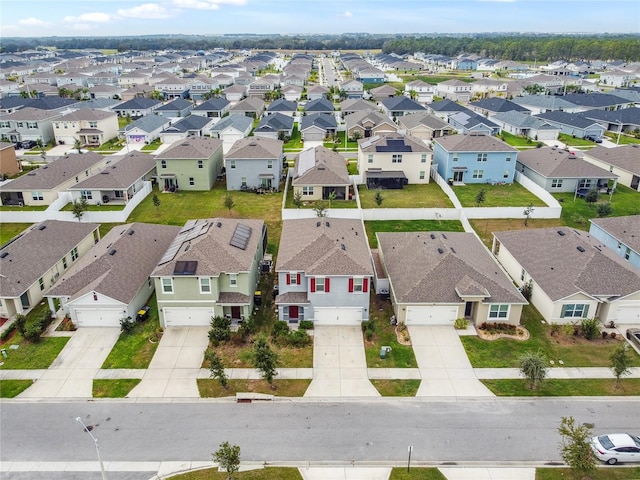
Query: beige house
[(9, 164), (319, 173), (436, 277), (34, 261), (366, 124), (623, 161), (91, 127), (424, 126), (572, 274)]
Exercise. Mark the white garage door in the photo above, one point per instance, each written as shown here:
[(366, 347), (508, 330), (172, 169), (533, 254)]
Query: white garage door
[(337, 316), (98, 317), (187, 316), (432, 315), (629, 314)]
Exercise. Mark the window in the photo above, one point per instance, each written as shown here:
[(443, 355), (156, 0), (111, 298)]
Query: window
[(307, 191), (74, 254), (5, 125), (396, 158), (421, 174), (200, 164), (505, 174), (627, 253), (167, 285), (232, 164), (93, 124), (205, 285), (21, 125), (523, 274), (478, 174), (358, 285), (86, 195), (293, 278), (269, 163), (319, 284), (455, 157), (585, 183), (32, 125), (192, 181), (233, 279), (37, 195), (423, 158), (482, 157), (370, 158), (243, 182), (64, 262), (556, 183), (498, 311), (508, 157), (163, 164), (574, 310), (41, 283)]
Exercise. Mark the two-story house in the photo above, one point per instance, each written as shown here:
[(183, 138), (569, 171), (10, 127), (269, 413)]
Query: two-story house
[(9, 164), (215, 108), (137, 107), (254, 162), (455, 90), (324, 271), (89, 127), (190, 164), (210, 269), (28, 123)]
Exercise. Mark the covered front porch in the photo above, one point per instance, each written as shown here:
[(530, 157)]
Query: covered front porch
[(292, 307), (91, 137), (235, 307)]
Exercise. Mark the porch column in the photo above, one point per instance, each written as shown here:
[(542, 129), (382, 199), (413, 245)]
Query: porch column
[(52, 306)]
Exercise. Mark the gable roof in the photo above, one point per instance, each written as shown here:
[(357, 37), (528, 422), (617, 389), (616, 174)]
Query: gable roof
[(392, 143), (177, 104), (558, 267), (35, 251), (119, 172), (86, 114), (282, 105), (571, 119), (191, 122), (319, 105), (523, 120), (191, 148), (251, 104), (30, 113), (214, 104), (551, 162), (148, 123), (496, 104), (594, 100), (314, 246), (471, 120), (138, 103), (624, 229), (447, 105), (473, 143), (401, 103), (419, 119), (138, 248), (623, 115), (372, 116), (255, 147), (322, 120), (320, 166), (626, 157), (439, 267), (235, 120), (547, 102), (357, 104)]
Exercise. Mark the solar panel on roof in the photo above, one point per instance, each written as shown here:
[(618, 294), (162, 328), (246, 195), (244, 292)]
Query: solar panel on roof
[(240, 238), (187, 267)]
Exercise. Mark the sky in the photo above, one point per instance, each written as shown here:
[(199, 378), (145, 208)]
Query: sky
[(33, 18)]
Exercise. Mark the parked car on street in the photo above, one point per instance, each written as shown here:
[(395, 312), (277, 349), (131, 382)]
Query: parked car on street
[(633, 335), (593, 139), (27, 144), (616, 447)]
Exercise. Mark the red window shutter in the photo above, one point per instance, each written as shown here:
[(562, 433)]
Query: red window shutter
[(288, 279), (298, 279), (365, 285), (351, 285), (313, 284), (326, 284)]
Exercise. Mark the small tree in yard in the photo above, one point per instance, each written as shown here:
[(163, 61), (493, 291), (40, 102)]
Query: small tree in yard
[(229, 203), (575, 447), (378, 198), (297, 199), (533, 366), (604, 209), (156, 203), (78, 208), (480, 197), (591, 196), (620, 362), (78, 146), (216, 367), (265, 359), (527, 214), (228, 458), (320, 208)]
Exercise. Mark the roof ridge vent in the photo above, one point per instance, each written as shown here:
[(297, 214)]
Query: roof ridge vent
[(580, 248)]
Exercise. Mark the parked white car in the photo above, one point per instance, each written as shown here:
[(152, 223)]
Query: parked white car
[(616, 447)]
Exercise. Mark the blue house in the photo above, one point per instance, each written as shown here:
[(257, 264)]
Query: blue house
[(621, 235), (474, 158)]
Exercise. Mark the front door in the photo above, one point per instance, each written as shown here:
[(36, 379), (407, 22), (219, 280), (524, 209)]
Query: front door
[(235, 312), (468, 309), (293, 312), (24, 300), (458, 176)]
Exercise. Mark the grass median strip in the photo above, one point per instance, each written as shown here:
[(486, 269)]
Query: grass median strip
[(430, 473), (397, 388), (118, 388), (601, 473), (210, 388), (12, 388), (268, 473), (552, 387)]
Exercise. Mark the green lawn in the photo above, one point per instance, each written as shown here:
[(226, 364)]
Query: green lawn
[(624, 139), (268, 473), (24, 208), (108, 207), (32, 356), (573, 351), (352, 168), (575, 141), (411, 196), (576, 213), (10, 230), (12, 388), (509, 195), (295, 143), (602, 473), (374, 226), (119, 388), (310, 204), (281, 388), (416, 473), (136, 349), (396, 388), (518, 387), (152, 146), (516, 141)]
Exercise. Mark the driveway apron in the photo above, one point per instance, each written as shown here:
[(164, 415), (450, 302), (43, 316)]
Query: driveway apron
[(174, 368), (339, 364), (443, 363), (72, 372)]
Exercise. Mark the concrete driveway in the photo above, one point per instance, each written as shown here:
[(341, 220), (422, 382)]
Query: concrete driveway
[(339, 365), (443, 364), (71, 374), (174, 368)]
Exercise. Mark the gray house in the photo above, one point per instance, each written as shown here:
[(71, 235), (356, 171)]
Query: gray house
[(254, 162), (191, 126), (231, 129), (274, 125), (621, 235), (573, 124), (177, 108), (523, 124)]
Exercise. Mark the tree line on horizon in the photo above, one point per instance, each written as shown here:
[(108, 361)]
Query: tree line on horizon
[(541, 48)]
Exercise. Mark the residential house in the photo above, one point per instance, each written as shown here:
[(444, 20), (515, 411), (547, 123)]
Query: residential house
[(43, 185), (353, 89), (572, 275), (369, 75), (262, 86), (235, 93), (118, 181), (420, 91), (543, 103), (319, 174), (445, 108), (250, 107), (455, 90), (348, 107), (282, 106), (378, 94), (231, 129), (324, 271), (92, 292), (474, 158), (144, 130), (471, 122), (176, 108), (321, 105), (424, 126), (573, 124), (315, 92), (315, 127), (486, 87), (276, 126), (491, 106), (202, 85), (558, 170), (526, 125), (437, 277), (89, 127), (211, 269), (396, 107), (190, 164), (190, 126), (393, 160), (174, 87), (9, 164), (293, 93), (620, 234), (137, 107), (601, 101), (28, 123), (623, 161), (215, 108), (36, 258), (616, 121), (254, 162), (617, 78), (367, 123)]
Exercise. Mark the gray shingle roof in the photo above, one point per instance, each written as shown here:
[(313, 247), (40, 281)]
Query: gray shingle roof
[(496, 104), (422, 269), (319, 105), (36, 251), (564, 118), (328, 168), (323, 120), (213, 105), (251, 104), (138, 103), (177, 104), (626, 157), (120, 172), (392, 142), (414, 120), (624, 229), (555, 264), (552, 162), (238, 121), (135, 257), (192, 122), (191, 148), (317, 249), (370, 116), (473, 143), (282, 105), (522, 120), (86, 114), (30, 114), (255, 147), (401, 103), (148, 123)]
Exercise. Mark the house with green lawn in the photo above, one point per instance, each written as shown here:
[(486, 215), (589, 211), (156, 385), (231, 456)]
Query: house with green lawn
[(190, 164)]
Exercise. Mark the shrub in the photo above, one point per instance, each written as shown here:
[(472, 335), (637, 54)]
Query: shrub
[(305, 325), (298, 338), (591, 196), (590, 328), (127, 324), (280, 329), (555, 329), (496, 327), (220, 330), (7, 332), (33, 331), (461, 323), (21, 324)]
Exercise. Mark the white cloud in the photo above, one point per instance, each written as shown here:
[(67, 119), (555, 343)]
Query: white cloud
[(95, 17), (206, 4), (32, 22), (147, 11), (347, 14)]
